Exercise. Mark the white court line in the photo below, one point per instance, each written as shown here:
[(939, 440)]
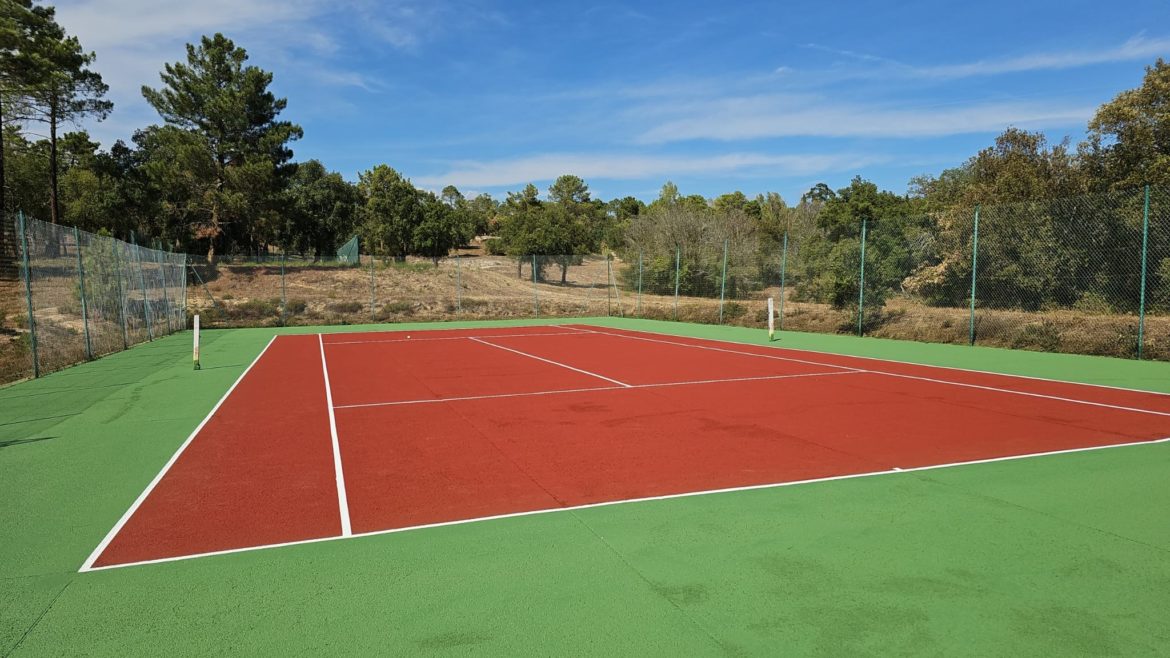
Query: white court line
[(611, 503), (628, 387), (593, 329), (721, 349), (555, 363), (88, 564), (576, 332), (995, 389), (339, 474)]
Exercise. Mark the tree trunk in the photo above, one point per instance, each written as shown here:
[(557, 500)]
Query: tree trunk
[(564, 273), (54, 204)]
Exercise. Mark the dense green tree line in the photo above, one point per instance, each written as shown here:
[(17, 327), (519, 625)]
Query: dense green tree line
[(1060, 223)]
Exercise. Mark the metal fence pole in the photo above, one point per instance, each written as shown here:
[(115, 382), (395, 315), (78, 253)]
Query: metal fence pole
[(32, 321), (723, 282), (638, 309), (861, 288), (142, 285), (183, 308), (458, 286), (81, 288), (535, 292), (283, 292), (677, 257), (373, 294), (1145, 251), (608, 281), (119, 271), (974, 278), (162, 272), (783, 272)]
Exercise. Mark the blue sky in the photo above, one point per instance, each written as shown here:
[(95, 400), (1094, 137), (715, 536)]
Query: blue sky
[(760, 96)]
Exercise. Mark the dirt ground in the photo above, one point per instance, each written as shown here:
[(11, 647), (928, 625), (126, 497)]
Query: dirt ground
[(477, 286)]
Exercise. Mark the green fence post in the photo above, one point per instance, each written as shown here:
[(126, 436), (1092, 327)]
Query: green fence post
[(142, 285), (458, 287), (608, 281), (84, 301), (1145, 250), (283, 292), (861, 288), (535, 292), (32, 321), (122, 291), (974, 278), (677, 256), (373, 294), (723, 282), (638, 309), (162, 272), (183, 308), (783, 272)]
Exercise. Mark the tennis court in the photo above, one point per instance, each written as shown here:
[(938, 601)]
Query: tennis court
[(329, 436), (588, 486)]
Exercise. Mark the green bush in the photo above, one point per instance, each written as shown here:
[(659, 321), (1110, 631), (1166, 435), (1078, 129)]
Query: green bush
[(257, 309), (395, 308), (493, 247), (295, 306), (344, 307)]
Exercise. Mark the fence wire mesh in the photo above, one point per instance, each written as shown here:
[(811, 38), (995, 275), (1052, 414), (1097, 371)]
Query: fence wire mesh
[(1088, 275), (87, 295)]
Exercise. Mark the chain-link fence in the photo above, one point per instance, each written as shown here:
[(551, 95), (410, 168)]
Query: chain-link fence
[(81, 295), (1087, 275)]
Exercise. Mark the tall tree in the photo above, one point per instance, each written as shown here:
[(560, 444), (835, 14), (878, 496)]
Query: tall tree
[(322, 212), (1129, 138), (390, 211), (227, 107), (22, 70), (67, 90)]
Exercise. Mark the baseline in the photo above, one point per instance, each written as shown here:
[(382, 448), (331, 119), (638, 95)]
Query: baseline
[(688, 494)]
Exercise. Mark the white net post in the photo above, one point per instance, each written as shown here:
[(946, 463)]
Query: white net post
[(771, 320), (196, 333)]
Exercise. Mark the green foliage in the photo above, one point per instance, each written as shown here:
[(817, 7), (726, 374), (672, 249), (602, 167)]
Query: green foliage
[(390, 211), (439, 230), (344, 307), (829, 268), (494, 247), (321, 213), (1128, 145), (232, 149)]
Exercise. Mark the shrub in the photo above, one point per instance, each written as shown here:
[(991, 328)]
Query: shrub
[(257, 309), (344, 307), (295, 306), (733, 310), (1042, 336), (493, 247)]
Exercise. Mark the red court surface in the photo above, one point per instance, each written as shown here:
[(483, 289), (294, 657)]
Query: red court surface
[(456, 425)]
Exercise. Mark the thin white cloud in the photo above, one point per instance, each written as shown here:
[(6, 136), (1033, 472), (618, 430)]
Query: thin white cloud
[(621, 166), (777, 116), (1137, 48)]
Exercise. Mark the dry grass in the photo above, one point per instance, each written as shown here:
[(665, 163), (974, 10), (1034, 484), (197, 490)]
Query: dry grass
[(490, 287)]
